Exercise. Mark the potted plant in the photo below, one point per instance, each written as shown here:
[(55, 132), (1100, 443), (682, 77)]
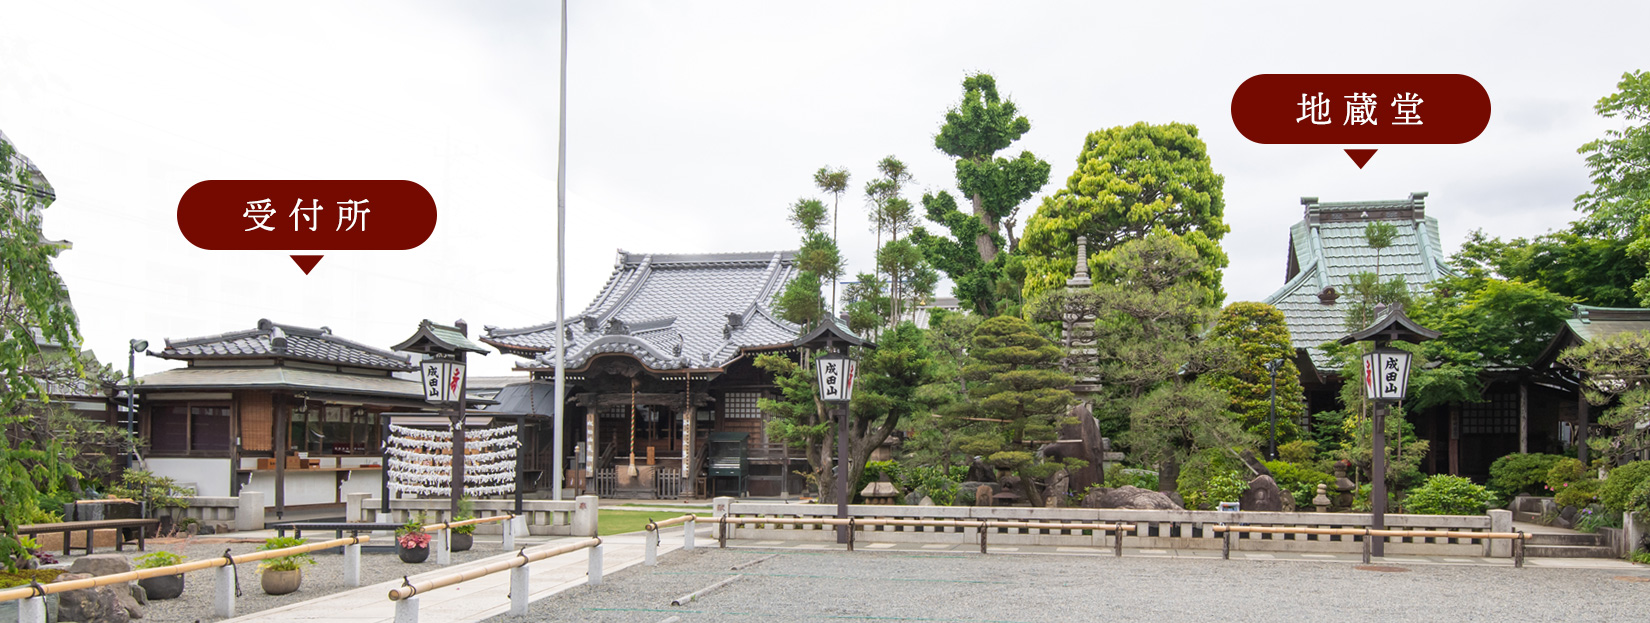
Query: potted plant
[(411, 543), (283, 575), (463, 536), (162, 586)]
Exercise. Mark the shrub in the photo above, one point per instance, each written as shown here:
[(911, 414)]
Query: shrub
[(157, 559), (1299, 451), (1593, 517), (1641, 557), (1578, 494), (1619, 486), (466, 510), (1299, 481), (161, 492), (1639, 500), (1208, 478), (1142, 478), (1564, 472), (1521, 474), (1448, 495), (291, 562)]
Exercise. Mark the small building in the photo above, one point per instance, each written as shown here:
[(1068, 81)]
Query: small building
[(1574, 421), (657, 363), (290, 411)]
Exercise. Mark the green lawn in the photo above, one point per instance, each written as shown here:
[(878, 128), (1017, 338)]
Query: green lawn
[(685, 507), (620, 522)]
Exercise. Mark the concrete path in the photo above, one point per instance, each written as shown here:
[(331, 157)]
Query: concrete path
[(476, 599)]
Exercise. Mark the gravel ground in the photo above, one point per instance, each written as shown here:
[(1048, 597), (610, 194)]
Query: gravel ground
[(323, 578), (837, 586)]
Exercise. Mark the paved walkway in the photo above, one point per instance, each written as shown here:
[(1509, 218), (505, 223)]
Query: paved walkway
[(473, 600)]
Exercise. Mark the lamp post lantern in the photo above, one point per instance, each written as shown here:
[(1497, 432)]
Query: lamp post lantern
[(442, 374), (1272, 415), (1386, 381), (131, 392), (835, 372)]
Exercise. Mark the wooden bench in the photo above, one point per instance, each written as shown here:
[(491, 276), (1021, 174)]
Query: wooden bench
[(70, 527)]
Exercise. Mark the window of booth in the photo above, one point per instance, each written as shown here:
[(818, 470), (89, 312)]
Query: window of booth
[(333, 430), (186, 428)]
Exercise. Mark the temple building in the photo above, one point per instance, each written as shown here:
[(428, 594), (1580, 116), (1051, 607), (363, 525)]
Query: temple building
[(661, 388), (1522, 408)]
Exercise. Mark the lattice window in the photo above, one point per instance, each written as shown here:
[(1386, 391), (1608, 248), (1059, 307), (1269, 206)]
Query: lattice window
[(617, 412), (1498, 415), (741, 405)]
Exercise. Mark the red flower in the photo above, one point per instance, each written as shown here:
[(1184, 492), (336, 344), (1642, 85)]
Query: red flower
[(415, 540)]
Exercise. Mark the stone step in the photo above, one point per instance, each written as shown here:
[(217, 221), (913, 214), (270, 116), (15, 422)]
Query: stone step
[(1580, 539), (1523, 517), (1568, 551)]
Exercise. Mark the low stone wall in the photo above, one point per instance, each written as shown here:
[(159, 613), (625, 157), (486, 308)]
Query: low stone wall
[(1157, 529), (544, 517), (238, 513)]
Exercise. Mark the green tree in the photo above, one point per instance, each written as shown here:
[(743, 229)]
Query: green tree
[(909, 277), (1620, 164), (833, 182), (34, 311), (934, 441), (1017, 400), (981, 125), (1130, 180), (1257, 334), (798, 418), (800, 302), (1616, 370)]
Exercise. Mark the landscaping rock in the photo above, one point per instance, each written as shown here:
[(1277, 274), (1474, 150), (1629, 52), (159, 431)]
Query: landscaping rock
[(1263, 495), (1058, 486), (925, 501), (1128, 496), (103, 604), (982, 495), (101, 564), (913, 498)]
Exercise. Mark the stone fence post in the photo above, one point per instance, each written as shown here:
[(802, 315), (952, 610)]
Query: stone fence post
[(1500, 521), (353, 503), (249, 511), (585, 519)]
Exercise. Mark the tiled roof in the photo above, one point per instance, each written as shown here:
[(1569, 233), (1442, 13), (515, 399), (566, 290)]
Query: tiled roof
[(670, 312), (1327, 247), (272, 340), (278, 377)]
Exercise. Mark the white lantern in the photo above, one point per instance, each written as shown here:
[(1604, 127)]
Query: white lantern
[(443, 380), (1386, 374), (836, 377)]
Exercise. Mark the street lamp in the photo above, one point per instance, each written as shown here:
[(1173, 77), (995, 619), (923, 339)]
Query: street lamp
[(132, 349), (836, 387), (1272, 416), (444, 382), (1386, 380)]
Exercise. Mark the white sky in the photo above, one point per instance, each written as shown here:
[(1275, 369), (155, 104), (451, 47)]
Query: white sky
[(692, 126)]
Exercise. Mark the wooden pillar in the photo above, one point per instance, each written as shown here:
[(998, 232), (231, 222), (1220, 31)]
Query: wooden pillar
[(689, 415), (1523, 417), (591, 413), (283, 420), (235, 444), (1454, 440), (1580, 436)]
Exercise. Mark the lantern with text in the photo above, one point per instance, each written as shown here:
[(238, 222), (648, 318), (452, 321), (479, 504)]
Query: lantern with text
[(443, 380), (1386, 374), (836, 377)]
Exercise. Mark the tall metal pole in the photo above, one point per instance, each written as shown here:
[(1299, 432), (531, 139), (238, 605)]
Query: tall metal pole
[(1272, 416), (561, 271), (1377, 486), (131, 391)]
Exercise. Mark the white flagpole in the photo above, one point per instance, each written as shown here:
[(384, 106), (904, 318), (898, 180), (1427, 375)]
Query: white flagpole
[(561, 268)]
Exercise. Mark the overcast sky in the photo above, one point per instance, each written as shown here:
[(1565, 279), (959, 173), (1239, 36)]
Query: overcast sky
[(692, 125)]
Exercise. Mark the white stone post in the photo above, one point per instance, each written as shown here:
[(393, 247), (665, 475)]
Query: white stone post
[(721, 508), (650, 548), (249, 511), (687, 534), (353, 503), (223, 592), (1500, 521), (352, 564), (31, 610), (444, 547), (510, 533), (595, 573), (584, 516), (406, 610), (518, 591)]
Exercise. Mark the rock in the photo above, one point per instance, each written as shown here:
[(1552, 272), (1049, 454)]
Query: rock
[(978, 471), (1059, 485), (982, 495), (101, 564), (1263, 495), (140, 594), (1128, 496), (925, 501), (913, 499), (92, 605), (1174, 496), (1255, 465)]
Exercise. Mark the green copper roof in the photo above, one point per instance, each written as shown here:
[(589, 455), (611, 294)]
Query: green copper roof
[(1327, 247)]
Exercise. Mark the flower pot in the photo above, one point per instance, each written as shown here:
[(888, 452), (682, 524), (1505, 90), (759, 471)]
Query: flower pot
[(282, 582), (462, 542), (163, 587), (412, 554)]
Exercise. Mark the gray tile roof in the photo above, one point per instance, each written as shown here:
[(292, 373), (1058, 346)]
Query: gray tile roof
[(1327, 247), (670, 312), (280, 377), (271, 340)]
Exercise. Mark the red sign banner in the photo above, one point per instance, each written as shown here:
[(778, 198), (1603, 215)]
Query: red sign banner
[(306, 215), (1360, 109)]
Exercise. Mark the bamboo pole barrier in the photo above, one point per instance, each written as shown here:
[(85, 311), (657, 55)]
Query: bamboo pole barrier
[(666, 523), (942, 523), (523, 557), (177, 569), (467, 522), (1419, 534)]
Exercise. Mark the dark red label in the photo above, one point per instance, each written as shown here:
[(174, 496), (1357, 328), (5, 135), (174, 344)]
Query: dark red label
[(306, 215), (1360, 109)]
